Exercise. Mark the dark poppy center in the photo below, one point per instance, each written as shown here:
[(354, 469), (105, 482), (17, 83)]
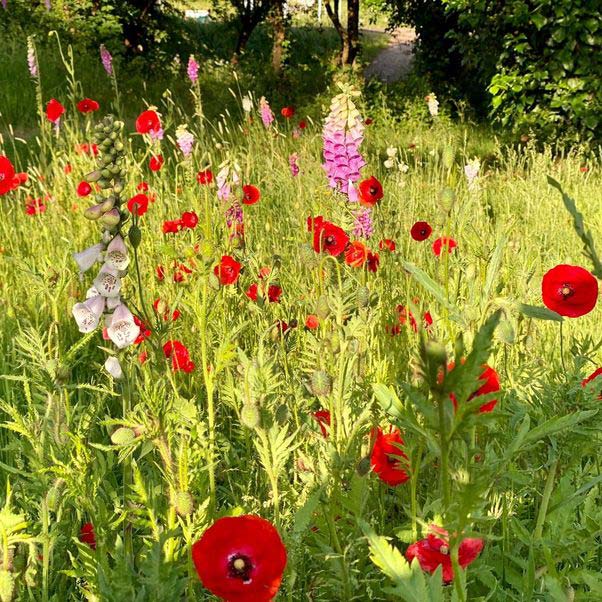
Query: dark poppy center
[(566, 290), (240, 567), (330, 240), (2, 176), (423, 232), (373, 190)]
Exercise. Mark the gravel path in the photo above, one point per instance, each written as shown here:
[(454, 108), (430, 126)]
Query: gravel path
[(394, 62)]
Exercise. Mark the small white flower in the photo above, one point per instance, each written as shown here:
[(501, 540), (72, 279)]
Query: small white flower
[(121, 328), (471, 171), (389, 163), (88, 257), (247, 104), (433, 104), (87, 314), (117, 254), (113, 367), (391, 151), (403, 167), (108, 282)]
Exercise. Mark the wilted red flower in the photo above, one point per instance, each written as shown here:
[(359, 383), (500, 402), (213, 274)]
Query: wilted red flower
[(371, 191), (421, 231), (251, 194), (593, 376), (385, 457), (405, 316), (138, 204), (204, 177), (373, 261), (444, 242), (180, 272), (34, 206), (145, 331), (87, 105), (163, 310), (155, 163), (227, 270), (189, 219), (171, 226), (356, 254), (160, 271), (179, 355), (54, 110), (287, 112), (240, 559), (323, 419), (87, 535), (302, 124), (87, 149), (388, 244), (312, 322), (327, 237), (142, 187), (433, 552), (83, 189), (368, 121), (7, 173), (569, 290), (147, 122), (274, 292)]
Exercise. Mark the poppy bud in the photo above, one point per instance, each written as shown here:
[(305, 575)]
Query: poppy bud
[(435, 359), (7, 585), (93, 176), (321, 383), (53, 496), (363, 466), (123, 436), (363, 296), (448, 196), (206, 250), (282, 414), (322, 307), (111, 218), (249, 416), (335, 342), (183, 503), (213, 281), (135, 236), (448, 157)]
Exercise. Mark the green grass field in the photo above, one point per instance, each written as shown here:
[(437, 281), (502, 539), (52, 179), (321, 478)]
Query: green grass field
[(153, 458)]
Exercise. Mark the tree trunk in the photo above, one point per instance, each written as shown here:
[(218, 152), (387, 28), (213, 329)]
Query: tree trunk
[(279, 32), (353, 31)]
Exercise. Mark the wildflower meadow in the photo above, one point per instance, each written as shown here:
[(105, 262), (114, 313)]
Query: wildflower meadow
[(258, 347)]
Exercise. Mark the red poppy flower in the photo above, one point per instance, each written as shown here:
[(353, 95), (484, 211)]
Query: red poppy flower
[(323, 419), (204, 177), (155, 163), (171, 226), (312, 322), (356, 254), (302, 124), (368, 121), (7, 173), (373, 261), (87, 535), (433, 552), (147, 122), (387, 244), (189, 219), (83, 189), (227, 270), (145, 331), (240, 559), (163, 310), (490, 383), (87, 149), (405, 316), (160, 271), (138, 204), (87, 105), (179, 355), (274, 292), (181, 272), (54, 110), (142, 187), (421, 231), (328, 237), (444, 242), (253, 291), (251, 194), (593, 376), (371, 191), (569, 290), (287, 112), (385, 455), (34, 206)]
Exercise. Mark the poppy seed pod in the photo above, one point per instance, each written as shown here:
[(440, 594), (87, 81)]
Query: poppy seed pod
[(183, 503), (322, 307), (249, 415), (321, 383), (363, 296), (123, 436)]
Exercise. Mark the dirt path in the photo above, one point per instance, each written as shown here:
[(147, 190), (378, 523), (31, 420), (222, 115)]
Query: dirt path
[(394, 62)]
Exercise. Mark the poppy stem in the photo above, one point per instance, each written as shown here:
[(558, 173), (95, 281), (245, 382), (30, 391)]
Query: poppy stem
[(443, 443), (545, 500), (562, 352)]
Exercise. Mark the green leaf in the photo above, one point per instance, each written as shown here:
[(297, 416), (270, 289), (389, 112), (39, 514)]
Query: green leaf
[(539, 313), (557, 425), (388, 399)]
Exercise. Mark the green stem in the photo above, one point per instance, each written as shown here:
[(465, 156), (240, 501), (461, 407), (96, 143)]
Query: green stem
[(443, 442), (545, 501), (566, 376)]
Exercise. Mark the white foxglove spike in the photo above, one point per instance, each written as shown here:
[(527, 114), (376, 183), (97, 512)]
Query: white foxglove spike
[(87, 314), (117, 254), (108, 282), (122, 329), (88, 257), (113, 367)]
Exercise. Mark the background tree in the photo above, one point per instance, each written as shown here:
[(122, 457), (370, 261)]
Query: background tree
[(349, 34)]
